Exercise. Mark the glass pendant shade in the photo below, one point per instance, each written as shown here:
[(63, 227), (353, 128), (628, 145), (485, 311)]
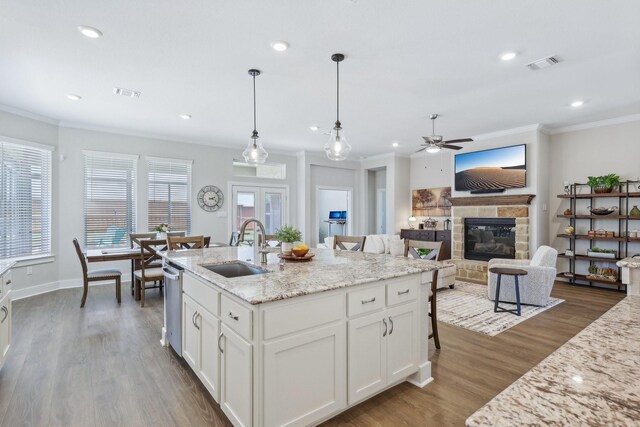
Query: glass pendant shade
[(337, 147), (255, 153)]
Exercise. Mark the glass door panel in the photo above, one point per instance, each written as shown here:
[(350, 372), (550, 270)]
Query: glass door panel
[(268, 204), (273, 203)]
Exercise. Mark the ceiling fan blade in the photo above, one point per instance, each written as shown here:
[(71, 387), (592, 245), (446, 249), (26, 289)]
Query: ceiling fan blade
[(457, 141), (451, 147), (422, 149)]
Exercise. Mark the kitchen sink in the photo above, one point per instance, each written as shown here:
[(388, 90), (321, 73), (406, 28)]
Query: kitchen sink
[(235, 269)]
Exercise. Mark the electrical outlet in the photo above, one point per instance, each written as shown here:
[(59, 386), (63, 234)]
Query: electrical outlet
[(29, 271)]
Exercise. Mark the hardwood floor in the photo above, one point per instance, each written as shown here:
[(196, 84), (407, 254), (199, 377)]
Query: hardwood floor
[(103, 365)]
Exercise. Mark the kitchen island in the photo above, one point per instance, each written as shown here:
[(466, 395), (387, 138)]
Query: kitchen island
[(298, 346)]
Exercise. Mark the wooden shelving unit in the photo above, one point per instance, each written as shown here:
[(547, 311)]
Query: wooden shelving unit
[(624, 195)]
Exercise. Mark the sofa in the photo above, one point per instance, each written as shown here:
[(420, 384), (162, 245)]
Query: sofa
[(393, 245), (535, 287)]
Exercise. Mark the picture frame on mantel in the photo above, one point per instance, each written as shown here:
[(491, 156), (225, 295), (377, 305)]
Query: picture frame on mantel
[(431, 202)]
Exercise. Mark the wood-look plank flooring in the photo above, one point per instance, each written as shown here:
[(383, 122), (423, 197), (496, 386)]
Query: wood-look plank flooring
[(103, 365)]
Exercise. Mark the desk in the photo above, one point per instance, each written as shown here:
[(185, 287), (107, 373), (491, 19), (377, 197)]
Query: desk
[(341, 222)]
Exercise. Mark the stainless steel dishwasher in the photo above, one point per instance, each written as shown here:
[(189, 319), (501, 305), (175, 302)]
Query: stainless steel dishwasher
[(173, 293)]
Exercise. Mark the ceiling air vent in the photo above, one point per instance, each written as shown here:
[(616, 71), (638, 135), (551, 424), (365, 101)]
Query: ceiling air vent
[(127, 92), (543, 63)]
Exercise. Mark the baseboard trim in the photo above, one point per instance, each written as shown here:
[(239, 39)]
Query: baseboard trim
[(31, 291)]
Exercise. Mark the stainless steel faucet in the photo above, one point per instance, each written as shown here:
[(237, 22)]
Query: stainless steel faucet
[(263, 242)]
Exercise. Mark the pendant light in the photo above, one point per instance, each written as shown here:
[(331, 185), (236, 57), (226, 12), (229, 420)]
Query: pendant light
[(337, 147), (255, 152)]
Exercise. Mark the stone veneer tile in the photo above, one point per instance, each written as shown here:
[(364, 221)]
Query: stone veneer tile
[(522, 221), (487, 212), (513, 212)]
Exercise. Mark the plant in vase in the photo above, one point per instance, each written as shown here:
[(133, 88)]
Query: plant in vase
[(604, 183), (288, 235), (161, 230)]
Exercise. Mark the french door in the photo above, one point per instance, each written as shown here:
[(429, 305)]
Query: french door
[(268, 204)]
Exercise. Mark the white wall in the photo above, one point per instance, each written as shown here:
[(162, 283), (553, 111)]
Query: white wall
[(575, 155)]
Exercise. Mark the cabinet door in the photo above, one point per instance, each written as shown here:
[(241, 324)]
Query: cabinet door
[(209, 355), (403, 342), (5, 327), (236, 378), (305, 377), (190, 333), (367, 361)]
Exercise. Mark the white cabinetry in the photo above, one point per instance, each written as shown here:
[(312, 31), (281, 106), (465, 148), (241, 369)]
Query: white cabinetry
[(236, 378), (5, 315)]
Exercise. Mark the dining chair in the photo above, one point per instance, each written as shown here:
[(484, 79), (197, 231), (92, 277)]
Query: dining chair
[(358, 241), (428, 251), (235, 237), (134, 242), (271, 241), (149, 269), (96, 276), (188, 242)]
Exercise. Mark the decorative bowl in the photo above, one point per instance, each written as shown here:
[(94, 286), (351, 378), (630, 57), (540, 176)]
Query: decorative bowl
[(603, 211), (299, 252)]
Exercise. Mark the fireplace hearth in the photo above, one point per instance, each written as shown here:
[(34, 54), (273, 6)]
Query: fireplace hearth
[(487, 238)]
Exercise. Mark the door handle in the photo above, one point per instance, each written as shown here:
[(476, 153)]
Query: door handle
[(391, 323), (6, 314), (384, 334), (219, 338)]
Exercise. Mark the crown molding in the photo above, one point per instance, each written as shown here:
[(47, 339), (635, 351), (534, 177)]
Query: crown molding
[(28, 114), (507, 132), (596, 124)]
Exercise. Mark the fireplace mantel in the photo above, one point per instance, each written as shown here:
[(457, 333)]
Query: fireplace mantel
[(515, 199)]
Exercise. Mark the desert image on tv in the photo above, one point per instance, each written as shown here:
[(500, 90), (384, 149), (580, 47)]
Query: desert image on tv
[(491, 169)]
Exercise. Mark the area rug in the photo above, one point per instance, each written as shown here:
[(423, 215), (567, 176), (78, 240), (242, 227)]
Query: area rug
[(467, 306)]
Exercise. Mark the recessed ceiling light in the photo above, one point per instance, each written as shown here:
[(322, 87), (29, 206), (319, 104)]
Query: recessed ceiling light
[(577, 103), (184, 116), (395, 144), (314, 128), (280, 45), (91, 32), (74, 97), (508, 56)]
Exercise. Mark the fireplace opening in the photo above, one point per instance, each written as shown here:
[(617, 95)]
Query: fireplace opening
[(487, 238)]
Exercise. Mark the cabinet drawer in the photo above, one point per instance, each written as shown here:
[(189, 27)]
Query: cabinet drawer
[(237, 317), (365, 300), (281, 319), (199, 291), (402, 291)]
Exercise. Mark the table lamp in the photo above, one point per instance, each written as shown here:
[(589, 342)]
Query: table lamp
[(412, 221)]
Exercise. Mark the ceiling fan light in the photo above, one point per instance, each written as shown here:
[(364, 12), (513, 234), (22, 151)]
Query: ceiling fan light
[(337, 147), (433, 149)]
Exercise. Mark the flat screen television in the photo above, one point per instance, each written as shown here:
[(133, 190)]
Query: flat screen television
[(495, 169)]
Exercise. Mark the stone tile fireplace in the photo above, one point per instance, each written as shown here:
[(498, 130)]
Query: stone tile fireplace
[(514, 208)]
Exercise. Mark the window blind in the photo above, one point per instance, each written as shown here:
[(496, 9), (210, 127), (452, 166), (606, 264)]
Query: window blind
[(25, 208), (169, 190), (109, 199)]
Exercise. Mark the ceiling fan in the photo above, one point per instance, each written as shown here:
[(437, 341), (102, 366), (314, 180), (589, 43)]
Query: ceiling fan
[(434, 143)]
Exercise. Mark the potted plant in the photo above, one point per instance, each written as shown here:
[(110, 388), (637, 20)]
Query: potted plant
[(288, 235), (601, 253), (602, 273), (161, 230), (604, 183)]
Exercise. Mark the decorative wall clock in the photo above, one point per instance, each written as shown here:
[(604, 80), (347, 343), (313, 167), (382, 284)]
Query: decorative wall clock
[(210, 198)]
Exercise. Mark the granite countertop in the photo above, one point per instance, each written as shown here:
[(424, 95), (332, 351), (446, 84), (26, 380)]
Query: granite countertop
[(631, 262), (5, 266), (328, 270), (592, 380)]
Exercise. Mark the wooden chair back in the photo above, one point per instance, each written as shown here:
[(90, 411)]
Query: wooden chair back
[(270, 238), (339, 241), (134, 238), (149, 252), (188, 242), (83, 260), (418, 248)]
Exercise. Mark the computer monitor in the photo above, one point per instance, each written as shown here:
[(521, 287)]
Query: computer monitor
[(334, 214), (343, 214)]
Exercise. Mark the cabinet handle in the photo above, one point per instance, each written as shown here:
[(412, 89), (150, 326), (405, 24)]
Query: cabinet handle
[(219, 338), (367, 301), (391, 323), (195, 320), (233, 317), (384, 334), (6, 314), (403, 292), (8, 282)]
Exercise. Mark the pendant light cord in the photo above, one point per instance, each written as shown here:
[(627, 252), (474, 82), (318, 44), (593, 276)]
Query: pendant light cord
[(337, 92), (254, 104)]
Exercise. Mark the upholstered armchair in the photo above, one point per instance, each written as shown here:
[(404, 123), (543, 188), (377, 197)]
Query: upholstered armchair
[(535, 287)]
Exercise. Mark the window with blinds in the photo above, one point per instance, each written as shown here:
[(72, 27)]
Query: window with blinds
[(109, 198), (169, 191), (25, 208)]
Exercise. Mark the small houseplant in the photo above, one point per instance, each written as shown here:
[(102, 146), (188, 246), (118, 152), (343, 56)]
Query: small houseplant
[(602, 273), (604, 183), (161, 230), (601, 253), (288, 235)]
